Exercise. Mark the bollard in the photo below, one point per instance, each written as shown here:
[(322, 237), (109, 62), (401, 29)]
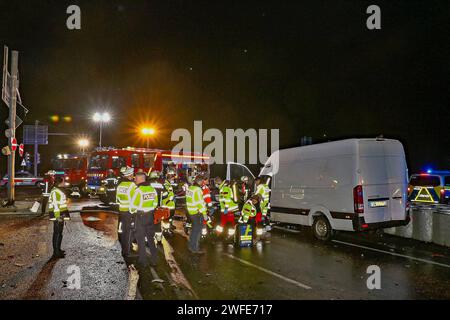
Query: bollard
[(422, 229), (441, 228)]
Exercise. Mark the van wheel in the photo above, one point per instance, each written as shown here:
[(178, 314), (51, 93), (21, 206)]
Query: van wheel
[(322, 229)]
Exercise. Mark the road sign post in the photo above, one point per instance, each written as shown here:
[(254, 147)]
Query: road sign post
[(12, 126)]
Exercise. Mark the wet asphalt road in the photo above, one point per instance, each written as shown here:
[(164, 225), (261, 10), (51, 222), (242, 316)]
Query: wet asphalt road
[(288, 265), (292, 265)]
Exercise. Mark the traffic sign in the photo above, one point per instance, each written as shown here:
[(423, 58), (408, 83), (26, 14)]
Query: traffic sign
[(13, 144), (21, 149), (24, 163)]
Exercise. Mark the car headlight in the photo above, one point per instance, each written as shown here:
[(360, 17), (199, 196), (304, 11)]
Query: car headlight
[(259, 231), (231, 232), (219, 229)]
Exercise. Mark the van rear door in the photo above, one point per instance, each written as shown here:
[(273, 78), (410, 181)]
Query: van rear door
[(383, 175)]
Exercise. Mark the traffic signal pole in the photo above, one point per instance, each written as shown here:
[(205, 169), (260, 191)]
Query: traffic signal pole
[(12, 126)]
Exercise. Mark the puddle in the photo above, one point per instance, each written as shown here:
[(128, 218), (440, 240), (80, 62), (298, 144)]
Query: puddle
[(104, 222)]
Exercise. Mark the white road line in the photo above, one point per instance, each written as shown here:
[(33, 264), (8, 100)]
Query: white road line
[(393, 254), (176, 273), (299, 284)]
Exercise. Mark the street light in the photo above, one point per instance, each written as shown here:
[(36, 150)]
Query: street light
[(147, 132), (83, 143), (101, 118)]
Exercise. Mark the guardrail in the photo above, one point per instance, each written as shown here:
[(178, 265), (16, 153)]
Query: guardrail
[(429, 223)]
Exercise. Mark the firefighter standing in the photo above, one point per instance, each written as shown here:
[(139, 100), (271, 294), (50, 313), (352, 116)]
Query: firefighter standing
[(168, 195), (228, 205), (197, 210), (58, 214), (143, 205), (124, 194), (263, 190)]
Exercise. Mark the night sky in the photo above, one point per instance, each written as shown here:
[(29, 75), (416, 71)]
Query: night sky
[(308, 68)]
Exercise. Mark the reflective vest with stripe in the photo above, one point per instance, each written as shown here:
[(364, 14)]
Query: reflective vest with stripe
[(125, 192), (264, 190), (226, 199), (194, 201), (168, 196), (248, 210), (145, 199), (57, 202)]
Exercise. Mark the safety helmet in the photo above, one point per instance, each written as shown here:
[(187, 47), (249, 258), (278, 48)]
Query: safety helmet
[(170, 172), (244, 179), (154, 175), (126, 171)]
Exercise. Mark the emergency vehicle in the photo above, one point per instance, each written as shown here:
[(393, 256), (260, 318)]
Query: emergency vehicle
[(432, 187), (72, 168), (105, 160)]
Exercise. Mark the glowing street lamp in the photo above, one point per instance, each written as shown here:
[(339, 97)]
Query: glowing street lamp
[(101, 118), (83, 144), (147, 132)]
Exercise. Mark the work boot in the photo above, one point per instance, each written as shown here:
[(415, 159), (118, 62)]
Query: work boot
[(58, 255)]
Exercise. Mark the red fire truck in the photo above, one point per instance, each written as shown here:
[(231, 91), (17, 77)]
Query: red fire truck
[(72, 168), (108, 161)]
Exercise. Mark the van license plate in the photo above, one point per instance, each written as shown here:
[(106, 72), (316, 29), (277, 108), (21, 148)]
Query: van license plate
[(377, 204)]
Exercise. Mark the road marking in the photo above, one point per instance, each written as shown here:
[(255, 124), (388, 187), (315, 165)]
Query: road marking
[(393, 254), (176, 273), (299, 284), (133, 278)]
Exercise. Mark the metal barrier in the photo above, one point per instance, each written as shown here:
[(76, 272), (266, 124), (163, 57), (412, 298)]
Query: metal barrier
[(429, 223)]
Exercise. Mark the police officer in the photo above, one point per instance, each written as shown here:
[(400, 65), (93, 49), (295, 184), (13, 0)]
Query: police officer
[(143, 205), (197, 210), (124, 194), (153, 180), (58, 214)]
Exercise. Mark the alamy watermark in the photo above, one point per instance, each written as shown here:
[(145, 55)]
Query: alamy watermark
[(248, 146), (374, 280)]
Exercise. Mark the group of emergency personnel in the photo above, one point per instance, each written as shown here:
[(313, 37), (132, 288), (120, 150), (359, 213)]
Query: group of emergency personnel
[(143, 203)]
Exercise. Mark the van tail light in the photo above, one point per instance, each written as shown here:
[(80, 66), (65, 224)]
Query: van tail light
[(358, 199), (442, 195)]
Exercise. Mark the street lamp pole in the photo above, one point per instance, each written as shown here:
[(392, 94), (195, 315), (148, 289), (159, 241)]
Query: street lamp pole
[(104, 117), (100, 140)]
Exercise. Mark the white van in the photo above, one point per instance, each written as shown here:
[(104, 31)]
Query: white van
[(348, 185)]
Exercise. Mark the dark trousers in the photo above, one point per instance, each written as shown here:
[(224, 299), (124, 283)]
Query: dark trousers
[(196, 232), (58, 227), (146, 228), (125, 236)]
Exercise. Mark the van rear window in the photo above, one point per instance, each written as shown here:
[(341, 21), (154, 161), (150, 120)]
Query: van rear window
[(421, 181)]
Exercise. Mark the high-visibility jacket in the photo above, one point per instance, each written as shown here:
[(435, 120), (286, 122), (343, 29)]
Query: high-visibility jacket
[(57, 203), (248, 210), (227, 198), (264, 191), (207, 195), (168, 196), (195, 202), (124, 194), (145, 199)]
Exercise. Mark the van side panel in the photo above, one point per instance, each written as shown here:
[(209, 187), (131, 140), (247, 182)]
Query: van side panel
[(308, 184)]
